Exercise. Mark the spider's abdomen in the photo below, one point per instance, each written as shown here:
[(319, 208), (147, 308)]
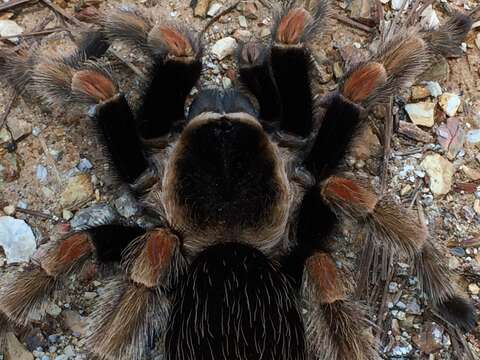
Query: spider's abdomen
[(234, 304), (227, 179)]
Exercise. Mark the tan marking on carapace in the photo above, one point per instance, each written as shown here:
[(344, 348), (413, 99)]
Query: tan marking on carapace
[(292, 25), (176, 42), (363, 81), (67, 253), (154, 258), (93, 84), (323, 273), (337, 189)]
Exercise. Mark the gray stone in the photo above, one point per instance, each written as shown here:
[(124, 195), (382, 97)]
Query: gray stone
[(84, 165), (434, 88), (93, 216), (42, 174), (16, 239), (126, 205)]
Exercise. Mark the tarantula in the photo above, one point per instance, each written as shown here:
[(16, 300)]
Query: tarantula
[(247, 193)]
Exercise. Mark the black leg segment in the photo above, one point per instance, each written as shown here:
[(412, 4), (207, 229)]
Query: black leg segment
[(164, 100), (117, 125)]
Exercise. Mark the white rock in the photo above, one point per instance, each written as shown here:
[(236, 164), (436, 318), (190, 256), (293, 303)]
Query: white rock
[(429, 18), (398, 4), (224, 47), (214, 9), (450, 103), (242, 20), (440, 172), (434, 88), (473, 136), (17, 239), (10, 28), (422, 113), (226, 82)]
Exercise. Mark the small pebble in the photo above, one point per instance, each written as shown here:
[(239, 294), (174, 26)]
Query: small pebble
[(474, 289), (9, 210), (53, 309), (42, 174), (84, 165), (458, 251)]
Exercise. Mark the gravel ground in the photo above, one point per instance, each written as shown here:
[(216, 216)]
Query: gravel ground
[(57, 167)]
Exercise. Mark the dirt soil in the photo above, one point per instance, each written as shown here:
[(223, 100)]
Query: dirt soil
[(56, 146)]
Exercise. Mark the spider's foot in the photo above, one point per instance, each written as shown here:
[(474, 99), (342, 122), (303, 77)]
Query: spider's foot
[(436, 284), (27, 295), (132, 312), (292, 26), (363, 81), (447, 39), (459, 312), (138, 30), (177, 44), (297, 25), (94, 85)]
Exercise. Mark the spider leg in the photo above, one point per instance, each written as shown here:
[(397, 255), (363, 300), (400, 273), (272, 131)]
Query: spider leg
[(396, 64), (335, 325), (397, 230), (134, 309), (279, 75), (256, 74), (26, 296), (75, 82), (176, 66)]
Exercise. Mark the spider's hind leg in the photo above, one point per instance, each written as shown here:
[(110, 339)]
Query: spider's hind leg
[(134, 307), (336, 326), (398, 232), (26, 296), (175, 54)]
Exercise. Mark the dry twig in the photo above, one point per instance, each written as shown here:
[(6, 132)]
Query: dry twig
[(11, 4), (34, 33), (387, 140), (5, 114), (352, 23)]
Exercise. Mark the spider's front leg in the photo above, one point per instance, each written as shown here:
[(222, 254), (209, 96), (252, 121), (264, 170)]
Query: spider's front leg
[(175, 54), (279, 75)]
